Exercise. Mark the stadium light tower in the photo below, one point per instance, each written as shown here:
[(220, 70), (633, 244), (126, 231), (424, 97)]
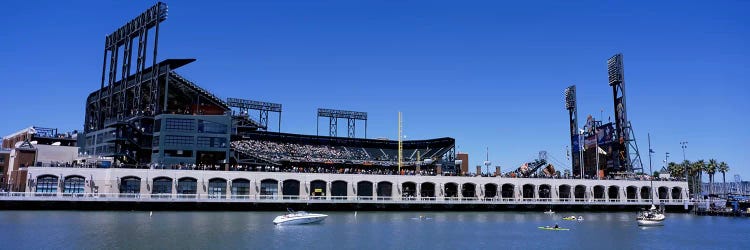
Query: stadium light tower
[(575, 141)]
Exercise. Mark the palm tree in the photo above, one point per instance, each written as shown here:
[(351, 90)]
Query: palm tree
[(686, 168), (711, 170), (723, 168), (695, 172), (675, 170)]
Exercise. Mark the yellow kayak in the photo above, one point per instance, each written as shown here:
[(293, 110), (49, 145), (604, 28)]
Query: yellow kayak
[(569, 218)]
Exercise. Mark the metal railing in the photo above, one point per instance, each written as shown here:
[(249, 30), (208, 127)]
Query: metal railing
[(222, 197)]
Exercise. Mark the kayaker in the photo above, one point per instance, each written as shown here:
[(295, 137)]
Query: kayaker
[(556, 226)]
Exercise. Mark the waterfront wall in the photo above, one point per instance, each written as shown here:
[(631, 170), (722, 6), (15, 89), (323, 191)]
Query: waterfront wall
[(345, 186)]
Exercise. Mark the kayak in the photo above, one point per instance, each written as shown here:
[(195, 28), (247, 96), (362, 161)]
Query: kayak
[(569, 218), (554, 229)]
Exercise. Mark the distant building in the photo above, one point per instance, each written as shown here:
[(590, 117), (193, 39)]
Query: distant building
[(33, 146), (464, 158)]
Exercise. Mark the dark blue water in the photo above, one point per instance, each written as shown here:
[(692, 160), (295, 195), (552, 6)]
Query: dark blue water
[(368, 230)]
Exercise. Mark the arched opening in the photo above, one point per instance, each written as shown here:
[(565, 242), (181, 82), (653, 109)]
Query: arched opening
[(663, 193), (564, 192), (338, 190), (451, 190), (187, 187), (580, 193), (490, 190), (130, 186), (631, 193), (217, 188), (528, 191), (385, 190), (427, 191), (676, 193), (614, 193), (364, 190), (599, 192), (469, 191), (645, 193), (318, 189), (46, 185), (269, 189), (162, 187), (240, 189), (508, 191), (409, 190), (545, 191), (74, 185), (290, 189)]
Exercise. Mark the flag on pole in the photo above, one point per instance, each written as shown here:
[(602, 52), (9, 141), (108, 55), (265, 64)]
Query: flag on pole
[(601, 151)]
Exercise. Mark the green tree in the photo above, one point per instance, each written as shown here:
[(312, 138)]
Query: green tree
[(723, 168), (675, 170), (711, 171), (694, 172)]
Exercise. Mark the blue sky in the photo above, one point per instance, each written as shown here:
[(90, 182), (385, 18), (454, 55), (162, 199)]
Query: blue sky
[(488, 74)]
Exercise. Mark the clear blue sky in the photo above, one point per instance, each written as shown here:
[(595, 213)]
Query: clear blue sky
[(488, 74)]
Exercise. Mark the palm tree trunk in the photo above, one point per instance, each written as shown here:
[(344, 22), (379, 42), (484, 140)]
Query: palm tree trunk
[(724, 180)]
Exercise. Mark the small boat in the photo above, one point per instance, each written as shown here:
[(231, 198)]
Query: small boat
[(421, 217), (651, 217), (549, 212), (572, 217), (298, 218), (580, 218), (554, 228)]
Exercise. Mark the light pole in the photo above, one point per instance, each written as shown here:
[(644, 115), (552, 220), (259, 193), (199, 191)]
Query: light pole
[(683, 144)]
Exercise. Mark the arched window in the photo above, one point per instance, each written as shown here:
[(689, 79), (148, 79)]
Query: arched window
[(73, 185), (187, 187), (318, 189), (409, 190), (130, 185), (217, 188), (240, 189), (269, 188), (451, 190), (162, 187), (290, 189), (427, 191), (46, 184), (384, 190), (364, 190)]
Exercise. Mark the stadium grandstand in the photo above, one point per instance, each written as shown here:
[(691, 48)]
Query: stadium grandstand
[(294, 152), (146, 115)]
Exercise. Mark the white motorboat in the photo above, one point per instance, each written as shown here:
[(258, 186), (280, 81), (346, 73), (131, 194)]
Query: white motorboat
[(651, 217), (549, 212), (298, 218)]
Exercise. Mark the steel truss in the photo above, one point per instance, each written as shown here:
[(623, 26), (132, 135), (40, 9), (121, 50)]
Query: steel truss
[(333, 116), (263, 107)]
